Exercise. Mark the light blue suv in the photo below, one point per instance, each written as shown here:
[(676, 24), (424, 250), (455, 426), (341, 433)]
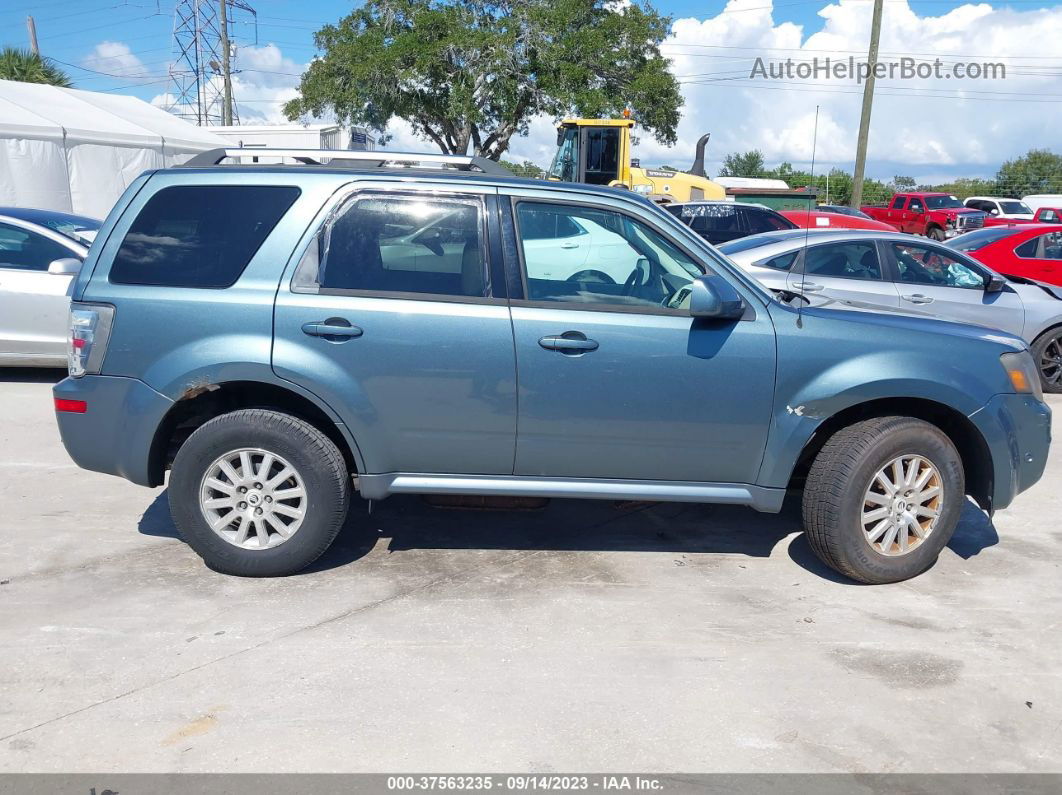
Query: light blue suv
[(279, 337)]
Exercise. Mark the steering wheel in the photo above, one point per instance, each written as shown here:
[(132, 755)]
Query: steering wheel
[(591, 276)]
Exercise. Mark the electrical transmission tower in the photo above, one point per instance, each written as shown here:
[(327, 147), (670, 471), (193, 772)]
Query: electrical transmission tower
[(201, 69)]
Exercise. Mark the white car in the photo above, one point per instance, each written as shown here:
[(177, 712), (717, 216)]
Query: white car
[(1001, 208), (40, 253)]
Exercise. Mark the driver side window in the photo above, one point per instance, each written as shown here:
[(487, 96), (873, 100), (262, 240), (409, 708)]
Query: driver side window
[(613, 259), (932, 266)]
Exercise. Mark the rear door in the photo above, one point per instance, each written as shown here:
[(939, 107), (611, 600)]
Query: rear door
[(848, 270), (33, 302), (933, 279), (418, 359)]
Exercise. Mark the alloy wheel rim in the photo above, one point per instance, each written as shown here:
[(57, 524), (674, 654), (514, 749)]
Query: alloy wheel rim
[(901, 505), (252, 498), (1051, 361)]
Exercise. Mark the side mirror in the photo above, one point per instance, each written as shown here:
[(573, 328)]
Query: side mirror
[(994, 211), (713, 296), (995, 284), (560, 136), (66, 266)]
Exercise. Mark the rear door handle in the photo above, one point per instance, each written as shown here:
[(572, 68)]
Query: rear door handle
[(331, 328), (810, 287), (571, 342), (917, 298)]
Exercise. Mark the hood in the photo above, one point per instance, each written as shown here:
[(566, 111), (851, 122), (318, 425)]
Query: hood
[(901, 318)]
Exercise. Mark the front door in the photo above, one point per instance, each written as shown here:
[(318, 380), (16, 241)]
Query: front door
[(933, 279), (618, 381), (415, 353)]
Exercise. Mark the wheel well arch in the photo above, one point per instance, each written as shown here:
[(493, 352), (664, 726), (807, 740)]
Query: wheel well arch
[(201, 404), (973, 449), (1041, 332)]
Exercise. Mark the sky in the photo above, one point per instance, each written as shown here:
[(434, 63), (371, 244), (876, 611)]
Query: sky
[(933, 128)]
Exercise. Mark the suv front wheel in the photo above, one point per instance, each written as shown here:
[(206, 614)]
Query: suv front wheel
[(883, 497), (258, 493)]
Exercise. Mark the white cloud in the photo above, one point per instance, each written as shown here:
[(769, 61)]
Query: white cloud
[(116, 59), (925, 126)]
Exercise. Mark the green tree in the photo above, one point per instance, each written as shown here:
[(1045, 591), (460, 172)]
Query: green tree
[(28, 67), (475, 72), (746, 164), (525, 169), (1039, 171), (900, 183)]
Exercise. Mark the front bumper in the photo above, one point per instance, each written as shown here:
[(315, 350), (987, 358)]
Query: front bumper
[(1017, 429), (116, 432)]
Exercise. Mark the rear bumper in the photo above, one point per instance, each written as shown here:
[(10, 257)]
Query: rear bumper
[(115, 433), (1017, 429)]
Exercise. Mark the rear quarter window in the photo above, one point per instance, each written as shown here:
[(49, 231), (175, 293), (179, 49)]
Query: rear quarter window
[(199, 235)]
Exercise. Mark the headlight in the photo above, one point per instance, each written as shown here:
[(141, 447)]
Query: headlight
[(644, 189), (1023, 375)]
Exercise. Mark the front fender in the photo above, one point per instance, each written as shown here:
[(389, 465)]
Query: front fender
[(834, 360)]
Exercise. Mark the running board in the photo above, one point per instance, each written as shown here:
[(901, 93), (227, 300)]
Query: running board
[(376, 487)]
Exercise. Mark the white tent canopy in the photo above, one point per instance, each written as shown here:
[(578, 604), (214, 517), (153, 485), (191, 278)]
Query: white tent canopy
[(76, 151)]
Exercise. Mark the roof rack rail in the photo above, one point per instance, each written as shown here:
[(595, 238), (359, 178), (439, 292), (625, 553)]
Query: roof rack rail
[(349, 158)]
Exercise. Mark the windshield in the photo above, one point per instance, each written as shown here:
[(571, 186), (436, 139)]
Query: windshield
[(564, 166), (942, 202), (1015, 208), (839, 210)]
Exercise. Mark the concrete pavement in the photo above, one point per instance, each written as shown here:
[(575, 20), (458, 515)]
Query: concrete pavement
[(582, 637)]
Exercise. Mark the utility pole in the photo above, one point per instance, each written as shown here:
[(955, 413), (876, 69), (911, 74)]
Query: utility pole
[(31, 28), (868, 100), (226, 66)]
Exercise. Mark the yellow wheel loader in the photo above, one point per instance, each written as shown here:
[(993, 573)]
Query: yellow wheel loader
[(598, 152)]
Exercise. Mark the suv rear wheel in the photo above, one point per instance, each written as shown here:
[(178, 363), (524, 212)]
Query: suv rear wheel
[(882, 498), (258, 493)]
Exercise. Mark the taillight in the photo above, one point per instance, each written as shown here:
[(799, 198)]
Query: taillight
[(90, 328), (73, 406)]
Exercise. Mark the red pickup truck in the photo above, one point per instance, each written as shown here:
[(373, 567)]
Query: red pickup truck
[(935, 215)]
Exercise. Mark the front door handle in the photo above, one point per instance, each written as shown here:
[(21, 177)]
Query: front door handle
[(332, 329), (917, 298), (570, 342), (569, 245), (809, 287)]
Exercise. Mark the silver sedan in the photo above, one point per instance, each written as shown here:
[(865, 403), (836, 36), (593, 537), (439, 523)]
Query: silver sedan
[(40, 253), (904, 271)]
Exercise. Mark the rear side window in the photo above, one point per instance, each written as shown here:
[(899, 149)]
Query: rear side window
[(199, 235), (782, 262)]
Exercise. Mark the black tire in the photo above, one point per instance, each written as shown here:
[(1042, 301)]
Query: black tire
[(318, 462), (837, 483), (1051, 380), (936, 233)]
